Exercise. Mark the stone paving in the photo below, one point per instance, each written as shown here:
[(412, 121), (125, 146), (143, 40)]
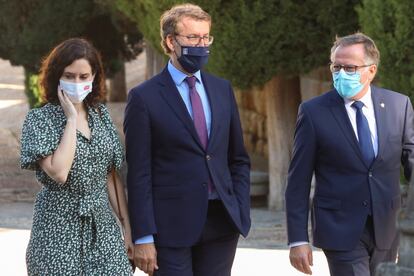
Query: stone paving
[(264, 252)]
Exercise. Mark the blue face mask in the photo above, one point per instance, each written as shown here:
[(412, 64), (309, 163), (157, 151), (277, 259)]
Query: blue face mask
[(347, 85), (193, 58)]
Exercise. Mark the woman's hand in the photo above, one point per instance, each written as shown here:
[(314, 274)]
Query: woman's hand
[(58, 164), (67, 106), (129, 245)]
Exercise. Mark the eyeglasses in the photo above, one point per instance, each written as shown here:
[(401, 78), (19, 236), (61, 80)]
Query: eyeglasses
[(196, 39), (349, 69)]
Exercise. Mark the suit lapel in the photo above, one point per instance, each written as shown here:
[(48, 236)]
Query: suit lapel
[(379, 111), (173, 98), (211, 91), (339, 112)]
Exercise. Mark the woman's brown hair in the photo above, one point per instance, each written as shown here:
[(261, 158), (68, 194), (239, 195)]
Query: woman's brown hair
[(64, 55)]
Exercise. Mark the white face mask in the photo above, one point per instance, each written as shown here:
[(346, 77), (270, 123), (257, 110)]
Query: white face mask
[(76, 92)]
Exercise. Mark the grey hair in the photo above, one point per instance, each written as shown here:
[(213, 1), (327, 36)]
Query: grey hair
[(372, 55)]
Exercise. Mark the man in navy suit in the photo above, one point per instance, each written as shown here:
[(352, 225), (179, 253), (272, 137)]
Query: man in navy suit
[(188, 171), (353, 139)]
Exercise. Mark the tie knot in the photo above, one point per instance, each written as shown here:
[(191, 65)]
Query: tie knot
[(358, 105), (191, 81)]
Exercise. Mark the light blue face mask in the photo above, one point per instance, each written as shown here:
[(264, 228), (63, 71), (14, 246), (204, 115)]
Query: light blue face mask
[(347, 85)]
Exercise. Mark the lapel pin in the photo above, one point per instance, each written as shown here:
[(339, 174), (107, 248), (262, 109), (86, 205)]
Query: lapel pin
[(382, 105)]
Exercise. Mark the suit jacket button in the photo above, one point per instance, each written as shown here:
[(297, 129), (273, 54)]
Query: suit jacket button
[(365, 203), (208, 157), (370, 174)]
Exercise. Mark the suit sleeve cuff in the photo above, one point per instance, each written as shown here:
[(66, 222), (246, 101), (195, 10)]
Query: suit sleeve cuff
[(145, 239), (294, 244)]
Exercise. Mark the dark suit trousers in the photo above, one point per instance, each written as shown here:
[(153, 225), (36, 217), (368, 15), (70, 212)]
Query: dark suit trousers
[(362, 260), (212, 255)]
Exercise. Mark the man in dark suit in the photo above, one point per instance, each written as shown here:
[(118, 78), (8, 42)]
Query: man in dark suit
[(188, 171), (354, 140)]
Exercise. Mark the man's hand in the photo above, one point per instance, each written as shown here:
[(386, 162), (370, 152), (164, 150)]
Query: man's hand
[(301, 258), (145, 257)]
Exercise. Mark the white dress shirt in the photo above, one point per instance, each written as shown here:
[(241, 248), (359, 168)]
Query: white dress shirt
[(369, 113)]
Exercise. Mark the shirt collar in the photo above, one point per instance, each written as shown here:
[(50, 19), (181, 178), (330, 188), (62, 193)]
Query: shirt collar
[(366, 99), (178, 76)]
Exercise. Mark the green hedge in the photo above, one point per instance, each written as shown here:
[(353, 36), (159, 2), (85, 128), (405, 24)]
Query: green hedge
[(256, 40), (391, 24)]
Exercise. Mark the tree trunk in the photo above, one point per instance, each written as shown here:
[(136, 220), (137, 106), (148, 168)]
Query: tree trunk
[(117, 86), (315, 83), (282, 101), (155, 61)]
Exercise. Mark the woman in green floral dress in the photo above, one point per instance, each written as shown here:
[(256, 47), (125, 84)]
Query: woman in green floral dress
[(73, 146)]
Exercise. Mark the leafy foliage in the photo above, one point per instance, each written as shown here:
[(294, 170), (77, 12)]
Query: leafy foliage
[(391, 25), (255, 40), (32, 88), (29, 29)]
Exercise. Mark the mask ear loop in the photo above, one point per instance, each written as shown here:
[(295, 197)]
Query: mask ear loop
[(181, 48), (366, 81)]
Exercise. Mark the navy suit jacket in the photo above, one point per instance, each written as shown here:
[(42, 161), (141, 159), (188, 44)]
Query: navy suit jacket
[(168, 168), (326, 145)]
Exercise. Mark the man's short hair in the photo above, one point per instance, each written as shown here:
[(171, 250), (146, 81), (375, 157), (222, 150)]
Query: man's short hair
[(372, 55), (170, 18)]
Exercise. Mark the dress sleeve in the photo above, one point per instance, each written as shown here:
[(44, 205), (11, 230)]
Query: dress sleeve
[(39, 139), (118, 150)]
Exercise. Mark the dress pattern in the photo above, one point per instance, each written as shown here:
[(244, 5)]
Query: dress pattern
[(74, 231)]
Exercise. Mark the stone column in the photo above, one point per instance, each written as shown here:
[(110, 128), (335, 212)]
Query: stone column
[(405, 264)]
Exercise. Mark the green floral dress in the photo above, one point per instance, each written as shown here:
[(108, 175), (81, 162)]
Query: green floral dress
[(74, 231)]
